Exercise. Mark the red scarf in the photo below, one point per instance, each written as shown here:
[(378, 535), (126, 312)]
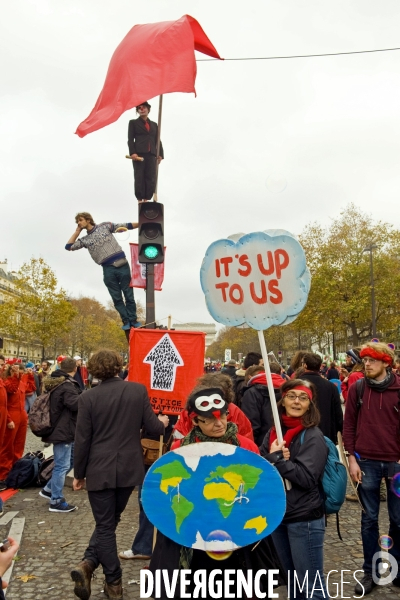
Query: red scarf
[(294, 426)]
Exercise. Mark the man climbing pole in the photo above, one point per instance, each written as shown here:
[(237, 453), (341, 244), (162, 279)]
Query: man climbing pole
[(105, 251), (142, 143)]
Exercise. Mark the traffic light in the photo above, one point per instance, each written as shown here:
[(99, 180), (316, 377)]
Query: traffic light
[(151, 232)]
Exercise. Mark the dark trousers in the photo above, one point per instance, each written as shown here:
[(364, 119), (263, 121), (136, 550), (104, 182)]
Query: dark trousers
[(369, 490), (117, 280), (107, 507), (143, 542), (145, 176)]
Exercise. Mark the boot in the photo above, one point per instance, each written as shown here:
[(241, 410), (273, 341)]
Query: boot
[(113, 590), (82, 576)]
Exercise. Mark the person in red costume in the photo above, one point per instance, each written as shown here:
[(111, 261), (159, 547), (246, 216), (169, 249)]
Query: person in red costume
[(3, 413), (17, 384), (236, 415)]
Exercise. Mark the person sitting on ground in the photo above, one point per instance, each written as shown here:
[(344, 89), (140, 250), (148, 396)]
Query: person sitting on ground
[(300, 459)]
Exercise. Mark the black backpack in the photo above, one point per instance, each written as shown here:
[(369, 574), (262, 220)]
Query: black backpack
[(25, 471)]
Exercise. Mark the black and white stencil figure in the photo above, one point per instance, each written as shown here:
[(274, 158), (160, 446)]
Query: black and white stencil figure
[(164, 359)]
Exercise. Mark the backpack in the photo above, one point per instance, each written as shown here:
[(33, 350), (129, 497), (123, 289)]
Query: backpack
[(39, 415), (45, 471), (334, 478), (25, 471)]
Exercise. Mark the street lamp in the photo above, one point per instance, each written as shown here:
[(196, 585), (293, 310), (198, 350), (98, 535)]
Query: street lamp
[(370, 249)]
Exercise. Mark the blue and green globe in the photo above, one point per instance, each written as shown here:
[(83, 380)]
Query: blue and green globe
[(213, 497)]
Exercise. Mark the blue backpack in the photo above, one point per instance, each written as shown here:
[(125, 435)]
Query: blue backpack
[(334, 478)]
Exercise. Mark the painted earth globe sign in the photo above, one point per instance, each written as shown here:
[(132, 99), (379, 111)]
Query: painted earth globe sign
[(214, 497)]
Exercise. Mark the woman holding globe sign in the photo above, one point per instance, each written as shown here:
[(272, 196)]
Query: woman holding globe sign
[(208, 411), (300, 459)]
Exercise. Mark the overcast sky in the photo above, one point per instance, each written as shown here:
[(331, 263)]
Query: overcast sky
[(327, 130)]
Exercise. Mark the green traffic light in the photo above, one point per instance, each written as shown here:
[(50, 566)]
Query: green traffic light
[(151, 252)]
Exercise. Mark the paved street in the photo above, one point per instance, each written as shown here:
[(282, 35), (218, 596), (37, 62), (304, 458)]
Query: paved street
[(53, 543)]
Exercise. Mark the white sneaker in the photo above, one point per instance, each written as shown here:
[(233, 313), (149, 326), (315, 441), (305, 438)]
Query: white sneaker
[(126, 554)]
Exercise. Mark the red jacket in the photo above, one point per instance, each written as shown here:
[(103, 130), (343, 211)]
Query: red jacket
[(243, 443), (3, 408), (17, 387), (236, 415), (352, 378)]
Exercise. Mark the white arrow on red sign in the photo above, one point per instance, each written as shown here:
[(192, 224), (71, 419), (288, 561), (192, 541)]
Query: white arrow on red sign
[(164, 359)]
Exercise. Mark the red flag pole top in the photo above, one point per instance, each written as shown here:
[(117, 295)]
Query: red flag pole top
[(152, 59)]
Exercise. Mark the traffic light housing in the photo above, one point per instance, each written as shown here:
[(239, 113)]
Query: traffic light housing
[(151, 233)]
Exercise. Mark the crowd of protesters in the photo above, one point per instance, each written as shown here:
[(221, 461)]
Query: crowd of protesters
[(98, 430)]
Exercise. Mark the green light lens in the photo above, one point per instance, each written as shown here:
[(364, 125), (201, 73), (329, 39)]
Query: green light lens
[(151, 252)]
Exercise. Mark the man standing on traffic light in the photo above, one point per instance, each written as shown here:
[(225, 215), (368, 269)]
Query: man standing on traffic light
[(142, 142), (105, 251)]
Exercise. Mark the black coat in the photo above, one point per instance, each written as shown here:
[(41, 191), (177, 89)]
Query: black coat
[(63, 406), (304, 470), (329, 405), (107, 441), (256, 405), (139, 138), (166, 555)]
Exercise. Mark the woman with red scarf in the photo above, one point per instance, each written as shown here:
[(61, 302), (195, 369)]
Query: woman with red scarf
[(17, 384), (300, 459)]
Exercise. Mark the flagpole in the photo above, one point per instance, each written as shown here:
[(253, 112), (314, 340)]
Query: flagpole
[(158, 143)]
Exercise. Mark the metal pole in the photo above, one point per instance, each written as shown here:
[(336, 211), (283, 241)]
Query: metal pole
[(372, 293), (158, 143), (150, 304)]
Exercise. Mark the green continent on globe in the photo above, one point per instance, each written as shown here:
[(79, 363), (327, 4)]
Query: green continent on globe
[(171, 475), (226, 483), (182, 509)]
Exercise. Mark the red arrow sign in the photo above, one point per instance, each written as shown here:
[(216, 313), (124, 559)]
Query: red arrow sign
[(168, 364)]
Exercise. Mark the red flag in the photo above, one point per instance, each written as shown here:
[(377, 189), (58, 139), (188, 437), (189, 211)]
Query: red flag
[(152, 59), (138, 279)]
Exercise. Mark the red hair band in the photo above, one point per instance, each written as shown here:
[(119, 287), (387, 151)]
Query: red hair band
[(372, 353), (303, 388)]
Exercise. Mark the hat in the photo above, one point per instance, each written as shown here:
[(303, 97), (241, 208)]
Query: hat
[(207, 402), (354, 355), (232, 362), (77, 357), (61, 358), (29, 365), (144, 104)]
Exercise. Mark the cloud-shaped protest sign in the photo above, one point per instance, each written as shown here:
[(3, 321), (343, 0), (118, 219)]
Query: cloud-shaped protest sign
[(258, 278)]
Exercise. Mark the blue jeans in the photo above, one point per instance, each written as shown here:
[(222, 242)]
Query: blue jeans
[(373, 472), (63, 463), (300, 550), (29, 400), (117, 280), (143, 542)]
